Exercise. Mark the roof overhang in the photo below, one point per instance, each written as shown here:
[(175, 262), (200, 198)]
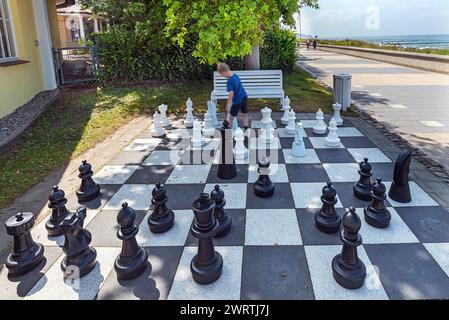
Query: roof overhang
[(64, 3)]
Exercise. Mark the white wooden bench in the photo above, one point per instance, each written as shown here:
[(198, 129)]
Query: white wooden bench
[(257, 83)]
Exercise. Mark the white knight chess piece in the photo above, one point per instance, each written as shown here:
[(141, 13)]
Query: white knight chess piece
[(291, 127), (212, 109), (299, 148), (157, 130), (286, 108), (197, 138), (164, 119), (337, 117), (188, 122), (320, 127), (332, 140)]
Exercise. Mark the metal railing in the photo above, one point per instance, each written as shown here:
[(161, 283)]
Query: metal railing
[(76, 64)]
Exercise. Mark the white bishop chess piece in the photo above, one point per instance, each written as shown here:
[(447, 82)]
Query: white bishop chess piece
[(208, 129), (337, 117), (164, 119), (266, 135), (320, 127), (286, 108), (157, 130), (291, 127), (197, 138), (188, 122), (299, 148), (240, 151), (332, 140)]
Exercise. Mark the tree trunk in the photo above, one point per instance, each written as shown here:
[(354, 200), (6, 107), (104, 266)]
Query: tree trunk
[(252, 61)]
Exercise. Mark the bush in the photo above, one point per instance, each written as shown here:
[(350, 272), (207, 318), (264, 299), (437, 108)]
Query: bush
[(279, 50)]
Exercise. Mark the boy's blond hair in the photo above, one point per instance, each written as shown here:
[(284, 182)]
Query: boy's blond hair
[(223, 67)]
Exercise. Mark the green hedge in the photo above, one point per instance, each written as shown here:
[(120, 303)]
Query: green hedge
[(279, 50)]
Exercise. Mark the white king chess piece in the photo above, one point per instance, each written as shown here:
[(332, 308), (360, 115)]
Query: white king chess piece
[(197, 138), (291, 127), (240, 151), (337, 117), (208, 129), (266, 135), (332, 140), (212, 109), (164, 119), (299, 148), (320, 127), (157, 130), (286, 108), (188, 122)]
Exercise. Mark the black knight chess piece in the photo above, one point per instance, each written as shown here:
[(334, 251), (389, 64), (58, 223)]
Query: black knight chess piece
[(133, 260), (327, 219), (376, 214), (88, 190), (57, 202), (348, 270), (364, 187), (224, 220), (26, 254), (264, 187), (400, 189), (226, 167), (79, 257), (161, 219), (207, 265)]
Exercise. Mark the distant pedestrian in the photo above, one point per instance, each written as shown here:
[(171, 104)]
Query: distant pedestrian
[(315, 42), (308, 44)]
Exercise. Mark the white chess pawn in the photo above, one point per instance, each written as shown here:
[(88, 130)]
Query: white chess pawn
[(332, 140), (320, 126), (157, 130), (240, 151), (337, 117), (188, 122), (212, 109), (208, 129), (197, 138), (163, 111), (266, 135), (285, 117), (299, 148), (291, 127)]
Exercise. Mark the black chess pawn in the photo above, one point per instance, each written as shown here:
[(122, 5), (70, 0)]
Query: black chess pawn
[(80, 259), (264, 187), (207, 265), (400, 189), (376, 214), (348, 270), (364, 187), (327, 219), (26, 254), (161, 219), (226, 167), (224, 220), (133, 260), (57, 202), (88, 190)]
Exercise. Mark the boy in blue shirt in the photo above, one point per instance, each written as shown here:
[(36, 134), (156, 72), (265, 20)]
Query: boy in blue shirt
[(237, 99)]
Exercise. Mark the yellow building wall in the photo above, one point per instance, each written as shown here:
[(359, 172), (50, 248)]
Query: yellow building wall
[(53, 22)]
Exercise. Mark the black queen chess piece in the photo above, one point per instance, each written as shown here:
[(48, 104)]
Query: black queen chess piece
[(224, 220), (400, 188), (207, 265), (226, 167), (348, 270), (57, 202), (376, 214), (26, 254), (327, 219), (89, 190), (264, 187), (364, 187), (161, 219), (79, 256), (133, 260)]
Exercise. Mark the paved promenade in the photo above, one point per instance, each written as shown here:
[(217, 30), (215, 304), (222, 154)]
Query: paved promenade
[(410, 102)]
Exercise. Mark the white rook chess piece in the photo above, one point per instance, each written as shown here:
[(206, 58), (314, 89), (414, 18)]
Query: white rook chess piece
[(337, 117), (208, 129), (197, 138), (157, 130), (291, 127), (188, 122), (332, 140), (299, 148), (286, 108), (320, 126), (240, 151), (212, 109), (163, 111), (266, 135)]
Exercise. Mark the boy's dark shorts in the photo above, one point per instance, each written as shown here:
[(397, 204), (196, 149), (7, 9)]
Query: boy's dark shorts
[(242, 107)]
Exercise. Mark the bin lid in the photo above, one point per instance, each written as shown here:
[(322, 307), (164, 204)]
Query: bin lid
[(343, 76)]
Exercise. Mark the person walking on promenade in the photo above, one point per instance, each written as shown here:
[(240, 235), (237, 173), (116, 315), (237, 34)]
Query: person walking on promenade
[(315, 42)]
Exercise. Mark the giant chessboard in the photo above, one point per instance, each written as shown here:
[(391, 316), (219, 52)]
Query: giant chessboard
[(274, 250)]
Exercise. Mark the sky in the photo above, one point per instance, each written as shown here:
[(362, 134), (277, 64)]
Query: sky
[(345, 18)]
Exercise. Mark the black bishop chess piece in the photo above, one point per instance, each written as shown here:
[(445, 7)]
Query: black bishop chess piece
[(26, 254), (57, 202), (376, 214), (327, 219), (226, 167), (89, 190), (224, 220), (161, 219), (400, 189), (264, 187), (80, 258), (133, 260), (364, 187), (348, 270), (207, 265)]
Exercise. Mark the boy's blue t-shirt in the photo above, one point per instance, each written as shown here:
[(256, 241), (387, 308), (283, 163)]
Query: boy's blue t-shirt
[(234, 84)]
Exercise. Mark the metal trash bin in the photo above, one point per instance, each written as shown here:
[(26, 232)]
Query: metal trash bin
[(342, 90)]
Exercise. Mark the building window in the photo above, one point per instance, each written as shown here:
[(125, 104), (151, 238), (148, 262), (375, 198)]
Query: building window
[(7, 46)]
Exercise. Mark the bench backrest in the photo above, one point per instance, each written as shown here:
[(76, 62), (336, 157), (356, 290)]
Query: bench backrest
[(252, 79)]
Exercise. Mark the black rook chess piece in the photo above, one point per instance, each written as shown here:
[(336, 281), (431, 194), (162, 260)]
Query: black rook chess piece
[(88, 190), (226, 167), (57, 202), (80, 258), (264, 187), (133, 259), (207, 265), (400, 189), (223, 219), (327, 219), (377, 214), (26, 254), (348, 270), (161, 219), (363, 188)]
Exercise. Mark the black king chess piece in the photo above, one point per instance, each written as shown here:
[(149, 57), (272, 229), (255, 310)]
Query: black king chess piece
[(376, 214), (264, 187), (57, 202), (327, 219), (26, 254), (400, 189), (88, 190), (363, 188), (348, 270), (133, 260), (226, 167), (224, 220), (161, 219), (207, 265), (79, 257)]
